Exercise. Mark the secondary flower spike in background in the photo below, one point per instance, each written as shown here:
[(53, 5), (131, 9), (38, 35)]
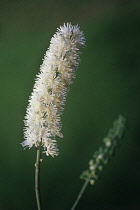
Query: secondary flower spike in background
[(46, 103)]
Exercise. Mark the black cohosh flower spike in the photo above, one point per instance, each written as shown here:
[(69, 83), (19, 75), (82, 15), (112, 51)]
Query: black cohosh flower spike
[(104, 154), (46, 103)]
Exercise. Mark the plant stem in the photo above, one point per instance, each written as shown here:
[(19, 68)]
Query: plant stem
[(37, 170), (81, 193)]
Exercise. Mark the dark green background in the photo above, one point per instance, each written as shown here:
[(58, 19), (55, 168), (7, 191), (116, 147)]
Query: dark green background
[(107, 84)]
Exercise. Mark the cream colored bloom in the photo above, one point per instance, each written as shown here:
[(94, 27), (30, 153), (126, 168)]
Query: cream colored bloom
[(46, 103)]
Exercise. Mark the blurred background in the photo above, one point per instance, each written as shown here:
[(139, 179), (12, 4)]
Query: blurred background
[(107, 83)]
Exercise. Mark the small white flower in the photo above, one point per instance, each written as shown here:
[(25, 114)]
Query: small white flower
[(100, 156), (108, 143), (46, 103), (92, 167), (92, 181)]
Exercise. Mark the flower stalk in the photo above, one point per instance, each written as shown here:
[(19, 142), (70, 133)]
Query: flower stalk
[(103, 155), (37, 172), (46, 103), (81, 193)]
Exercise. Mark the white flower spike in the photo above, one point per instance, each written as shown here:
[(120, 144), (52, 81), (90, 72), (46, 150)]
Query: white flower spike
[(42, 120)]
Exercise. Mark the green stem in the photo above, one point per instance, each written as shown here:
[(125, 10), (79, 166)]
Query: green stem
[(81, 193), (37, 170)]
